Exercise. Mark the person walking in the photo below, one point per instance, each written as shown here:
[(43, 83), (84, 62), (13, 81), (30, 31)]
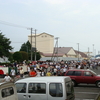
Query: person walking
[(48, 73), (32, 73), (43, 73), (7, 78), (38, 73), (21, 72), (13, 73)]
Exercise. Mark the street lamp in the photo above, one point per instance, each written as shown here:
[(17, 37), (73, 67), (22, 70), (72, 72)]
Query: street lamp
[(78, 51), (93, 50)]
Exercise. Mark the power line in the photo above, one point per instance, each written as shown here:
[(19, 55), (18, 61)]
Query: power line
[(11, 24)]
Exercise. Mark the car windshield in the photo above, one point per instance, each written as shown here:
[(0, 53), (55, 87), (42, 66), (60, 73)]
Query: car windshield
[(94, 73)]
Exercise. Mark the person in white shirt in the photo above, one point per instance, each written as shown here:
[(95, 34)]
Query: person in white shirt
[(55, 71), (58, 66), (7, 78), (79, 66), (13, 73), (38, 73), (64, 69)]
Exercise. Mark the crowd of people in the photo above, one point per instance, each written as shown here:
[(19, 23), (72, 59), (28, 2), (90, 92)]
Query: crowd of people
[(39, 69)]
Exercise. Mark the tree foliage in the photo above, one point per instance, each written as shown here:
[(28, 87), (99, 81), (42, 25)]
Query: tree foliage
[(17, 56), (24, 55), (10, 57), (38, 56), (4, 46), (26, 47)]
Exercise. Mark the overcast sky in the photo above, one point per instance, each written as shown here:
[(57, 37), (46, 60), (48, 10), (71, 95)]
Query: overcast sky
[(73, 21)]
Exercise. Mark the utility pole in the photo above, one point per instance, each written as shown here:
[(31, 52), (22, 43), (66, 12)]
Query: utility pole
[(93, 50), (35, 44), (78, 51), (31, 44), (95, 53), (55, 51), (57, 47), (88, 54)]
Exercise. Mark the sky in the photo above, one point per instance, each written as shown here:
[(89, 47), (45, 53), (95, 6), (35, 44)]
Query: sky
[(72, 21)]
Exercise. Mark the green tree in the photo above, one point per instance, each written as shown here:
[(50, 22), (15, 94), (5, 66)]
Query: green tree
[(38, 56), (23, 47), (24, 55), (5, 46), (10, 57), (26, 47), (17, 56)]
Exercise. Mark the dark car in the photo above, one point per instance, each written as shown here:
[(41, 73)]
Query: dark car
[(83, 76)]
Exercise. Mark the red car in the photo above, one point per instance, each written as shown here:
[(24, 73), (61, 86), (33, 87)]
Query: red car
[(83, 76), (1, 73)]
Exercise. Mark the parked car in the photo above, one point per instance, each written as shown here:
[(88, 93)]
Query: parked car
[(8, 91), (45, 88), (1, 73), (83, 76)]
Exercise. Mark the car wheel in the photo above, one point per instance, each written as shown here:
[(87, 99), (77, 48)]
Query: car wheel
[(98, 84), (74, 83)]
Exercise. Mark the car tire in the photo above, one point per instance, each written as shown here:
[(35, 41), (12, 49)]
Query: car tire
[(98, 84), (74, 83)]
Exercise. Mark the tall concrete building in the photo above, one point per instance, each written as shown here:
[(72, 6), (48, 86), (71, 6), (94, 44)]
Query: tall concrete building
[(44, 42)]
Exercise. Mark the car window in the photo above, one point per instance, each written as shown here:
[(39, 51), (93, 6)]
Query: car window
[(93, 73), (56, 89), (70, 73), (21, 87), (77, 73), (69, 88), (87, 73), (7, 92), (39, 88), (74, 73)]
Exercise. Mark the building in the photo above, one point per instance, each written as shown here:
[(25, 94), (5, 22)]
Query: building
[(68, 51), (81, 55), (64, 53), (44, 42)]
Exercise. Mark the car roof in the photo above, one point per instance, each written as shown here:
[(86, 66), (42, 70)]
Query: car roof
[(45, 79), (6, 84)]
